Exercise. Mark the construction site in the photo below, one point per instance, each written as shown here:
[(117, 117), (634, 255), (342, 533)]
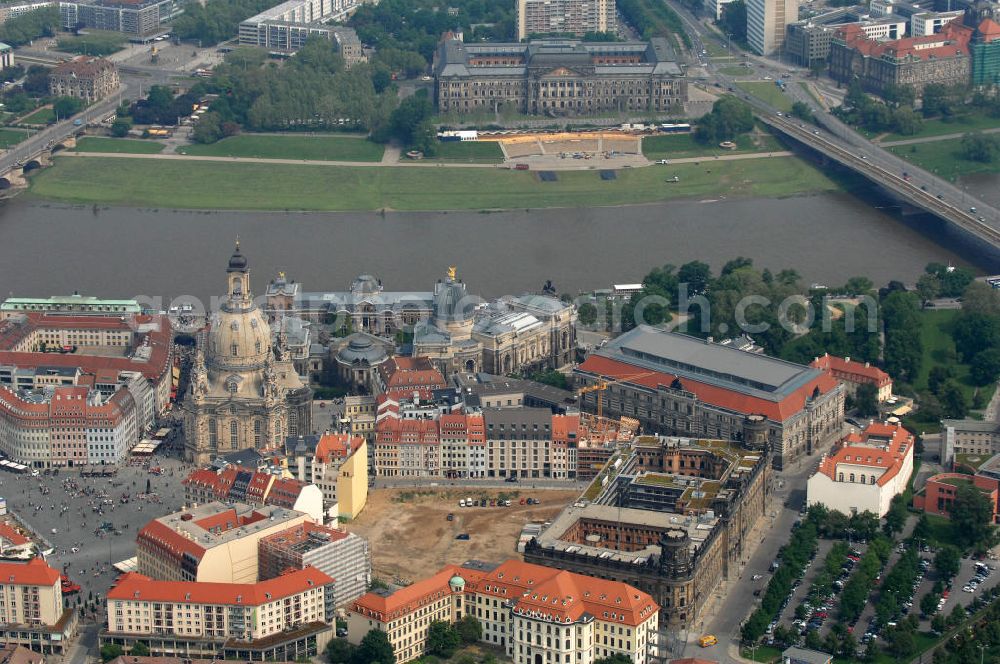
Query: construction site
[(399, 523)]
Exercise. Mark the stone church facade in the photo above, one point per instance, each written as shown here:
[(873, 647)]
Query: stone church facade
[(244, 390)]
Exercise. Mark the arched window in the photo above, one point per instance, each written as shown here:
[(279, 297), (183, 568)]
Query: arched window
[(256, 432), (212, 432), (234, 350), (234, 435), (861, 478), (873, 479), (852, 477), (841, 478)]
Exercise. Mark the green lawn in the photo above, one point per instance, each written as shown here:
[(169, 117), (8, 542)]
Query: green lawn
[(769, 92), (250, 186), (117, 145), (669, 146), (291, 146), (764, 654), (9, 137), (734, 70), (974, 121), (484, 152), (944, 158), (95, 42), (939, 349), (41, 116)]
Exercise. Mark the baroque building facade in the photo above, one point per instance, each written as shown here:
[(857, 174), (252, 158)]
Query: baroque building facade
[(244, 392), (558, 77), (457, 330)]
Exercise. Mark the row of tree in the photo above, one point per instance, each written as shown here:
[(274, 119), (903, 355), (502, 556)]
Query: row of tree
[(854, 596), (794, 556), (216, 21), (312, 91), (20, 30), (865, 111), (653, 19)]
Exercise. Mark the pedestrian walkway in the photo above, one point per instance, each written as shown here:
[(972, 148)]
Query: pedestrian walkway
[(931, 139)]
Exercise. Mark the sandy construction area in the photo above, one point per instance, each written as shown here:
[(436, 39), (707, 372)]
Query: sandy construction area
[(411, 537)]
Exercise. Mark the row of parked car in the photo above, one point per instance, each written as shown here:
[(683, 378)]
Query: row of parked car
[(983, 572)]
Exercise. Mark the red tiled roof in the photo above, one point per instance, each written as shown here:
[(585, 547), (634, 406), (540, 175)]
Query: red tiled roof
[(158, 339), (856, 449), (301, 532), (35, 572), (952, 40), (777, 411), (534, 588), (339, 445), (852, 368), (989, 30), (15, 538), (134, 586), (82, 67), (161, 536)]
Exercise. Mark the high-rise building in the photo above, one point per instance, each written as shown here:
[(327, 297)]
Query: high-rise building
[(563, 17), (767, 21)]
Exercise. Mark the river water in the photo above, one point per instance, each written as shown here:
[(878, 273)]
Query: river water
[(50, 248)]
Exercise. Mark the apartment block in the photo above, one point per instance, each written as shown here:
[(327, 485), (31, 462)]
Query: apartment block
[(564, 17), (285, 618), (31, 608)]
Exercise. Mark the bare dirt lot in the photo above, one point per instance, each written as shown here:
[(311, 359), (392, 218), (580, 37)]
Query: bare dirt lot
[(411, 537)]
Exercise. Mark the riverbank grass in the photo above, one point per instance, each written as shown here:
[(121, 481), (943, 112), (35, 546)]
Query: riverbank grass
[(673, 146), (247, 186), (959, 124), (767, 91), (290, 146), (9, 137), (117, 145), (468, 152), (943, 158), (42, 116)]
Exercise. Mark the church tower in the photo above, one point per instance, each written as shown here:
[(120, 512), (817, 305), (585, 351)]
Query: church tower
[(244, 391)]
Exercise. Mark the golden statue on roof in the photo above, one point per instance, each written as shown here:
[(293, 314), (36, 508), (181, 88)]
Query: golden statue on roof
[(451, 272)]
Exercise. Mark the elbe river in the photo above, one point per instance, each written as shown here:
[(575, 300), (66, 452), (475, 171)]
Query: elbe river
[(49, 248)]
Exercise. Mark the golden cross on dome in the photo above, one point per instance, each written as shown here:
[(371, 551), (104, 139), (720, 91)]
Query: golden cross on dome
[(451, 272)]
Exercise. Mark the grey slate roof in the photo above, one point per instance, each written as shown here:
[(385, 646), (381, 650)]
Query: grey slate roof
[(725, 366)]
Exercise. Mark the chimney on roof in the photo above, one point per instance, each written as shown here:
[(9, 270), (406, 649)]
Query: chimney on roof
[(847, 359)]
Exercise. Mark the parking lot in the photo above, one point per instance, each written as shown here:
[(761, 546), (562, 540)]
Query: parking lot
[(67, 511)]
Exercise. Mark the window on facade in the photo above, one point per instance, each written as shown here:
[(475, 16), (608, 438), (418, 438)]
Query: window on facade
[(852, 477), (234, 436), (234, 350)]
